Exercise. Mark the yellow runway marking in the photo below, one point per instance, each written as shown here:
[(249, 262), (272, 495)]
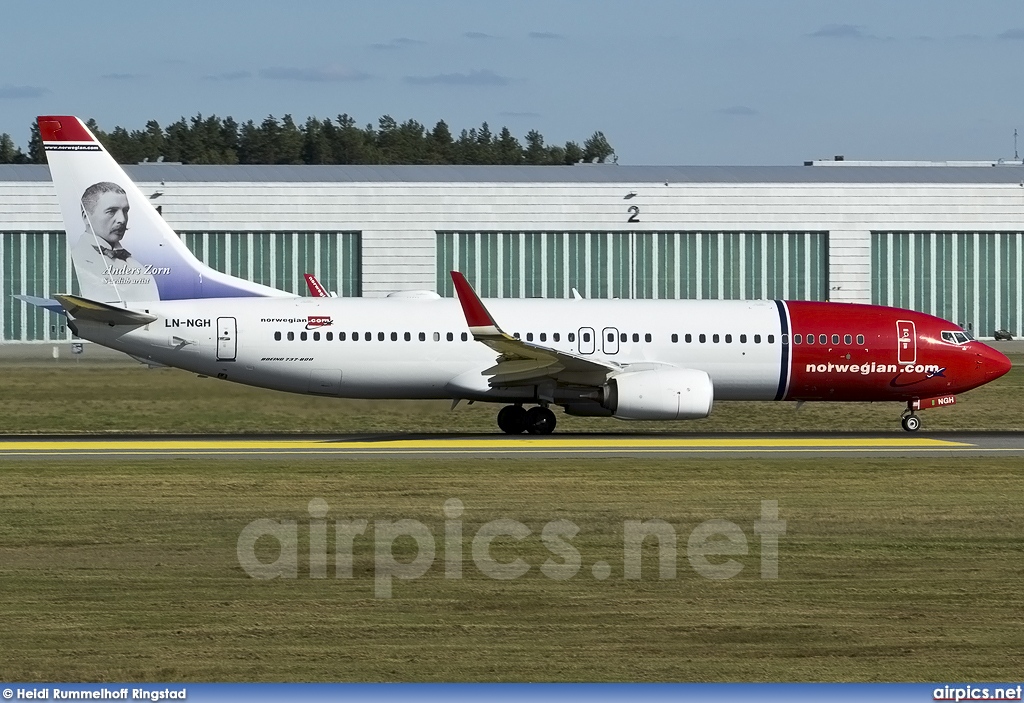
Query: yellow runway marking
[(468, 445)]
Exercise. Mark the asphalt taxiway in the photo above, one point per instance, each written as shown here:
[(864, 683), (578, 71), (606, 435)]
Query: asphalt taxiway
[(575, 445)]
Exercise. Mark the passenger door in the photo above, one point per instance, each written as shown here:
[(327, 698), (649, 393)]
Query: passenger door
[(906, 342), (227, 331)]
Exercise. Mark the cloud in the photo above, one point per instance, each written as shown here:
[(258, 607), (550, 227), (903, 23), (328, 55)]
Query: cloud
[(546, 35), (1015, 34), (484, 77), (478, 35), (738, 111), (326, 74), (15, 92), (122, 76), (230, 76), (399, 43), (841, 31)]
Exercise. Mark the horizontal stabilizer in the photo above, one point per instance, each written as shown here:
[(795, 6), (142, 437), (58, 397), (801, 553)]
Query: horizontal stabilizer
[(50, 304), (85, 309)]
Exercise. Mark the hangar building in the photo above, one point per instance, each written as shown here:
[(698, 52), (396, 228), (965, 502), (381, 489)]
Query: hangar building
[(944, 238)]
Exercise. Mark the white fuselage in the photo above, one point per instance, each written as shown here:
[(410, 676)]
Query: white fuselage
[(358, 348)]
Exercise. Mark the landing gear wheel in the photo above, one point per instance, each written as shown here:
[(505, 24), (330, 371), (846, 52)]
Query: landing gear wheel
[(540, 420), (911, 423), (512, 419)]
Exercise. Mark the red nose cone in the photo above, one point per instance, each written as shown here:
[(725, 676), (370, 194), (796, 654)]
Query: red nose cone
[(993, 362)]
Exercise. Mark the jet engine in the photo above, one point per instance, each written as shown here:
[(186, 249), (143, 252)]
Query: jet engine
[(660, 394)]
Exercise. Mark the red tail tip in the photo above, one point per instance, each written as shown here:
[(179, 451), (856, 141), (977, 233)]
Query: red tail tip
[(64, 128)]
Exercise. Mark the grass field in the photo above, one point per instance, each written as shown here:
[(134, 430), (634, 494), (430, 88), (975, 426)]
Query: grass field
[(890, 570), (95, 398)]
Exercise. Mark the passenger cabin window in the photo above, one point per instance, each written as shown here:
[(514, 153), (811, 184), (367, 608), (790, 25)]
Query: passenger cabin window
[(277, 336), (675, 338), (303, 336), (688, 338), (341, 336), (316, 336), (848, 339), (394, 336), (556, 336), (611, 336), (571, 336), (437, 336), (835, 339), (743, 339), (860, 339), (586, 336), (822, 339), (728, 339), (543, 336), (622, 337), (450, 337), (715, 338), (408, 337), (785, 339), (797, 338), (810, 339), (771, 339), (291, 336), (757, 339), (702, 338), (647, 337), (636, 337), (380, 336), (465, 336), (529, 336)]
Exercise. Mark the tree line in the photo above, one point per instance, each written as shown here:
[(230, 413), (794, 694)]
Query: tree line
[(212, 140)]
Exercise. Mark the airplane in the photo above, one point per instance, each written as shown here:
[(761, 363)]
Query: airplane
[(145, 294)]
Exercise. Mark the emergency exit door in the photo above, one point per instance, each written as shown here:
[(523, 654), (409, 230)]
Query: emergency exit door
[(227, 341)]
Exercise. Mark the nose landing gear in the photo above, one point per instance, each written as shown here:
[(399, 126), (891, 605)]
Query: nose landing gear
[(514, 419), (910, 421)]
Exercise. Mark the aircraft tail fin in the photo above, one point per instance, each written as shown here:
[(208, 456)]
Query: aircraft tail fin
[(121, 247)]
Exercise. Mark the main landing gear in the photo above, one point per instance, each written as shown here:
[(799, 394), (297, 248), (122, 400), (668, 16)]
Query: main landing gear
[(514, 419), (910, 421)]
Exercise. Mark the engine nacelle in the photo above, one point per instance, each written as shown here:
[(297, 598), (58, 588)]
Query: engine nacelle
[(660, 394)]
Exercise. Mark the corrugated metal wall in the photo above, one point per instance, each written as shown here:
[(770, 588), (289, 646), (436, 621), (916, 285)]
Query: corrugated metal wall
[(695, 265), (38, 263), (970, 278)]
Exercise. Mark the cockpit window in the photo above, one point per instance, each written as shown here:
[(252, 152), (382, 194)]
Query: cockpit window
[(956, 337)]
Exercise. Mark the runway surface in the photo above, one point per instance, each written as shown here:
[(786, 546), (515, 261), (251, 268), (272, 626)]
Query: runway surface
[(391, 445)]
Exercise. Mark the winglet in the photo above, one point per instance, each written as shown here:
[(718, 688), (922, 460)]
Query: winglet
[(480, 322), (316, 289)]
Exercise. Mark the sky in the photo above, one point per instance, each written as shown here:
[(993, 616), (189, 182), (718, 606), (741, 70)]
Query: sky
[(722, 82)]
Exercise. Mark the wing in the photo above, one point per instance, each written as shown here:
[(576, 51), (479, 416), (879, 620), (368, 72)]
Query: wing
[(523, 363)]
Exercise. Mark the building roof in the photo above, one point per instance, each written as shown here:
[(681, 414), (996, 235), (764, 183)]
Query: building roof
[(583, 173)]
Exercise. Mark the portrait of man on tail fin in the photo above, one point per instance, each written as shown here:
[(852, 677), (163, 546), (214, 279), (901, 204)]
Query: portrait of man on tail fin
[(100, 256)]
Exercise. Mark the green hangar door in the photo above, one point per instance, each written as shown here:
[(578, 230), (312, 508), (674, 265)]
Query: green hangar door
[(708, 265), (970, 278)]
